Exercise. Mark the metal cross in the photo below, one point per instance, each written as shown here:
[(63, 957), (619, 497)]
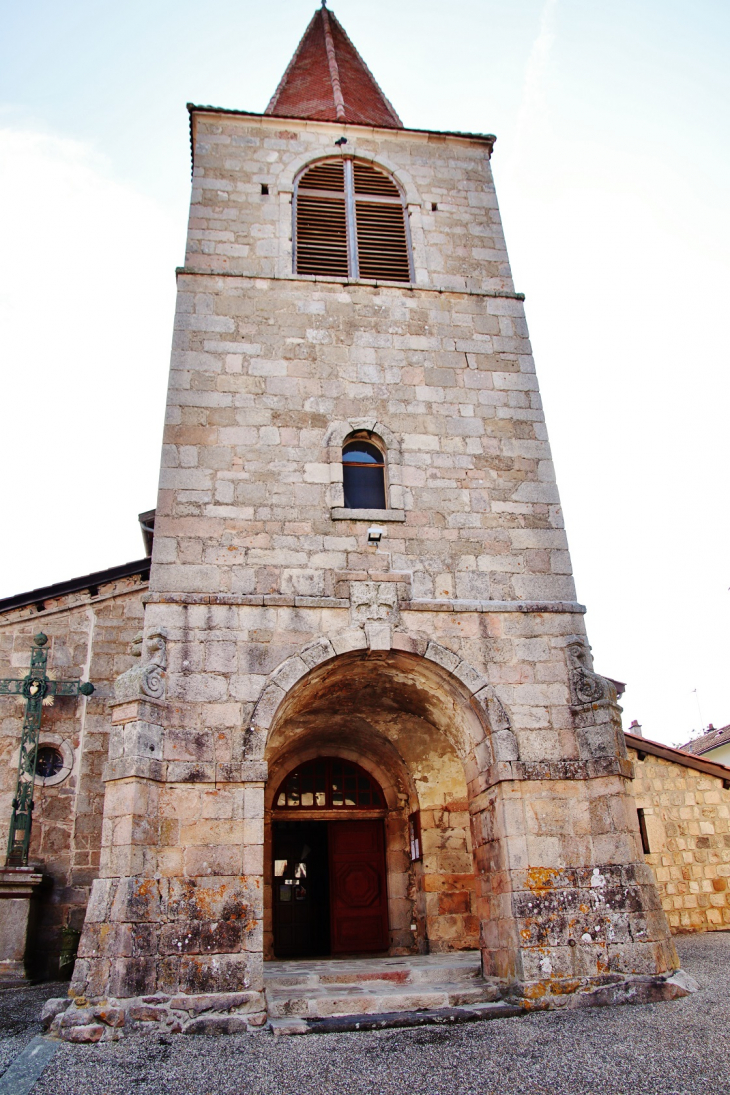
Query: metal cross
[(38, 688)]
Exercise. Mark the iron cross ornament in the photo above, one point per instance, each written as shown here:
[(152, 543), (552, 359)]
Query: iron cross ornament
[(39, 690)]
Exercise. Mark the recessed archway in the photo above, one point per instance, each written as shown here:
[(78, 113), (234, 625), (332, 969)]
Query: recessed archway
[(415, 730)]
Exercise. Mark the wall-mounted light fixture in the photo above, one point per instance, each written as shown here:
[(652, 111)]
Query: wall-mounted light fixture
[(375, 534)]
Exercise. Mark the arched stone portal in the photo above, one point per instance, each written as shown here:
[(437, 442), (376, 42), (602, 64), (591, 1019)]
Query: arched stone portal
[(413, 726)]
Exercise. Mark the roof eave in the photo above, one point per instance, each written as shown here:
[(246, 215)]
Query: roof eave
[(678, 756), (76, 585)]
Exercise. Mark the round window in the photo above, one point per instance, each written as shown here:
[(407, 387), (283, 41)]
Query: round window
[(50, 761)]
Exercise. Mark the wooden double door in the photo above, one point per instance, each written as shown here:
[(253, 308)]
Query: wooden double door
[(329, 892)]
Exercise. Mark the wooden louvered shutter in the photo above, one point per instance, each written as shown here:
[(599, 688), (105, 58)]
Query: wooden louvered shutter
[(382, 244), (321, 221), (350, 221)]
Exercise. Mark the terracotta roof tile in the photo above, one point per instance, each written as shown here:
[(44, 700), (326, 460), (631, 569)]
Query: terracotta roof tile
[(709, 740), (328, 81)]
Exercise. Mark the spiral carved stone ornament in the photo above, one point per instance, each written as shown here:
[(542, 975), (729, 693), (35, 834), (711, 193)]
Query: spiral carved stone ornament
[(153, 682), (147, 679), (587, 686)]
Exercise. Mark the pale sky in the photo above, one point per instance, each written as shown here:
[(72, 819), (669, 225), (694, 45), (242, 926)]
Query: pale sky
[(612, 171)]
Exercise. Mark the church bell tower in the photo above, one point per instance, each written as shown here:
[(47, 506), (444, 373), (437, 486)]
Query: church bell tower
[(365, 718)]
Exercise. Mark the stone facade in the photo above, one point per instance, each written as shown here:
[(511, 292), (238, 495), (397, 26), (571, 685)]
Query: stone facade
[(687, 815), (449, 661), (89, 636)]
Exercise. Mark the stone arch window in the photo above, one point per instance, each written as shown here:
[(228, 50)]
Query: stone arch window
[(350, 221), (363, 473), (329, 783), (337, 438)]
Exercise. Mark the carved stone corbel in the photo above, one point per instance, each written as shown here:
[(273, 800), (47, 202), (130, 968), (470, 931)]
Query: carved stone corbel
[(596, 716), (153, 677), (586, 687), (147, 678)]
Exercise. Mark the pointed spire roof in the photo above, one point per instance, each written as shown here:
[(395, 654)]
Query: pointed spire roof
[(328, 81)]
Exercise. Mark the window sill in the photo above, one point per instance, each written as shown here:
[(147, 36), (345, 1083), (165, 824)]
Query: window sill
[(355, 281), (340, 513)]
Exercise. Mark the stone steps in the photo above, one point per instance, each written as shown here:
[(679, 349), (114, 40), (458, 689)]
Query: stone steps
[(411, 970), (355, 1000), (357, 994)]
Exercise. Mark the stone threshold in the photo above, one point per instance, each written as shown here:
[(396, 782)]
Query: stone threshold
[(391, 1019)]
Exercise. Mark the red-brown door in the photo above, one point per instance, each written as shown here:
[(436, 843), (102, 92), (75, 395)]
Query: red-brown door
[(358, 899)]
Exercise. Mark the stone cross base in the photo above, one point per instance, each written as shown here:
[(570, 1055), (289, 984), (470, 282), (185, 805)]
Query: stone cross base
[(17, 886)]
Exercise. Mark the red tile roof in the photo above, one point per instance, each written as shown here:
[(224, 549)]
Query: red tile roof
[(709, 740), (328, 81)]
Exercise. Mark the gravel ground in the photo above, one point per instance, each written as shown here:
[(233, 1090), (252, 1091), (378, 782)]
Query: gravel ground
[(20, 1011), (678, 1048)]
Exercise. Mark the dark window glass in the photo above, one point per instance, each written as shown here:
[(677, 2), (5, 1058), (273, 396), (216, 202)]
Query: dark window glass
[(644, 833), (50, 761), (326, 783), (363, 476)]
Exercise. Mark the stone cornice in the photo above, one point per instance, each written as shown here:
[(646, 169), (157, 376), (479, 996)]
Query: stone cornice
[(313, 279), (284, 601)]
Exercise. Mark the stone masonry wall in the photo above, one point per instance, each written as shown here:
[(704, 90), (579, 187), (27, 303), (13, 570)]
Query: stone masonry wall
[(687, 817), (233, 228), (269, 370), (273, 618), (89, 638)]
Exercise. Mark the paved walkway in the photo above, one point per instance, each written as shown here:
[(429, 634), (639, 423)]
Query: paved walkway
[(679, 1048)]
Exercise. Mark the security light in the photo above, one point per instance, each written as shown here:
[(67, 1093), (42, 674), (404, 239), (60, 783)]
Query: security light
[(375, 534)]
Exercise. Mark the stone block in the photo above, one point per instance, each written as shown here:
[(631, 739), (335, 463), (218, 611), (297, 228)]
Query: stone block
[(217, 1024), (379, 635), (214, 973), (90, 1032), (132, 977), (351, 639), (136, 899), (54, 1006), (317, 652), (288, 673), (268, 705)]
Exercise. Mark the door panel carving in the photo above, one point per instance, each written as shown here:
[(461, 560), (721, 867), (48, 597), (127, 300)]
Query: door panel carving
[(359, 910)]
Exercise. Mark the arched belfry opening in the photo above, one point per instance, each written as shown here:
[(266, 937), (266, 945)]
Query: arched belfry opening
[(368, 759), (350, 221)]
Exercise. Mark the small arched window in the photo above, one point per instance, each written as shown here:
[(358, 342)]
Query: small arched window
[(350, 221), (329, 783), (363, 475)]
